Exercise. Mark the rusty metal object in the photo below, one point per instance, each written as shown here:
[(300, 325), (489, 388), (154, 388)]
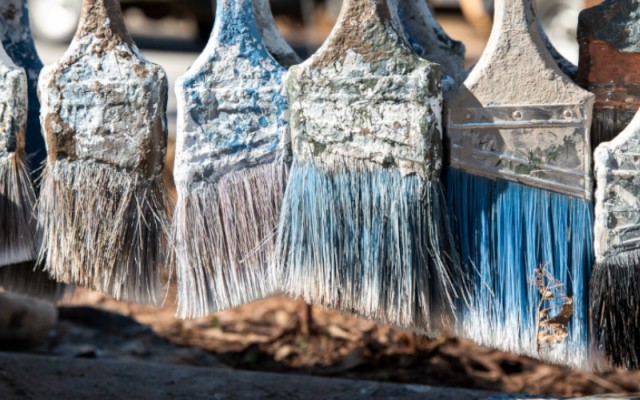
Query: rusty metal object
[(609, 37)]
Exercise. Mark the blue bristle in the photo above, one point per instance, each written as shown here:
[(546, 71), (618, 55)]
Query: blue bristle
[(506, 231), (370, 240)]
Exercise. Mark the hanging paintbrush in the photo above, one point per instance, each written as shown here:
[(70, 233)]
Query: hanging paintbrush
[(429, 40), (17, 197), (27, 278), (364, 222), (273, 41), (103, 209), (615, 284), (520, 187), (609, 38), (231, 166)]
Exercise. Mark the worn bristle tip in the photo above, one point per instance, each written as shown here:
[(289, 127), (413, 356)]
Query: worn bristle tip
[(225, 237), (615, 309), (516, 241), (104, 228), (31, 280), (363, 238), (17, 201)]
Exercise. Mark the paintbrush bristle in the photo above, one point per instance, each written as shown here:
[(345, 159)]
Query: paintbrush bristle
[(361, 237), (31, 280), (17, 201), (608, 123), (510, 232), (615, 308), (225, 237), (104, 228)]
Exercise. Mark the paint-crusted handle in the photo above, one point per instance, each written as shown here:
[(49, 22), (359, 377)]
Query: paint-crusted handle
[(103, 101), (365, 95), (13, 107), (232, 113), (517, 116), (430, 41), (18, 42), (277, 46), (617, 168)]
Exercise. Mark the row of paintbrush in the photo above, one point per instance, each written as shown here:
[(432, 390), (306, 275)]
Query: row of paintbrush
[(324, 181)]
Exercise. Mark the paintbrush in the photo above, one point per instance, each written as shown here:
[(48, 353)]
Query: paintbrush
[(103, 208), (429, 40), (615, 283), (273, 40), (609, 64), (17, 197), (27, 278), (364, 226), (520, 186), (231, 166)]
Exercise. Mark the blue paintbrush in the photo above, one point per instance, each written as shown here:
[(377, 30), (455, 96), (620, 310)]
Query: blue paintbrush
[(520, 186), (231, 166)]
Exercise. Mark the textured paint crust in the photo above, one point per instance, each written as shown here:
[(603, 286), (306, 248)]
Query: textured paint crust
[(232, 112), (617, 166), (13, 107), (366, 96), (103, 101), (534, 143)]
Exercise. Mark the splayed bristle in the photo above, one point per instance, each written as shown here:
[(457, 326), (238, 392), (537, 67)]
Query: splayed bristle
[(608, 123), (507, 232), (17, 222), (224, 237), (31, 280), (105, 229), (615, 309), (363, 238)]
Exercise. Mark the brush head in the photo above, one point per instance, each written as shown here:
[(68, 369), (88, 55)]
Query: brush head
[(231, 165), (103, 209), (18, 42), (517, 116), (362, 226), (615, 286), (608, 36)]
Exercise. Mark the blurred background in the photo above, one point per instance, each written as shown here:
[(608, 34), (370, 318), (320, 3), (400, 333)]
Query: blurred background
[(280, 334)]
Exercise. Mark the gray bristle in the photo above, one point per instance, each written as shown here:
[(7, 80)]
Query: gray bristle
[(225, 235), (364, 238), (105, 229), (615, 309), (607, 123), (17, 201), (31, 280)]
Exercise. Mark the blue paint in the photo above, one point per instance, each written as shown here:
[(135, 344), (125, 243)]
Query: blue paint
[(23, 53), (362, 239), (505, 231)]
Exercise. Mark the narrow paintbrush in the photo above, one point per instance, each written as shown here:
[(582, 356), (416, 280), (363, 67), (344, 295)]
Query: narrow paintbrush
[(17, 197), (615, 284), (364, 222), (273, 41), (520, 186), (29, 277), (429, 40), (231, 166), (103, 211), (609, 38)]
